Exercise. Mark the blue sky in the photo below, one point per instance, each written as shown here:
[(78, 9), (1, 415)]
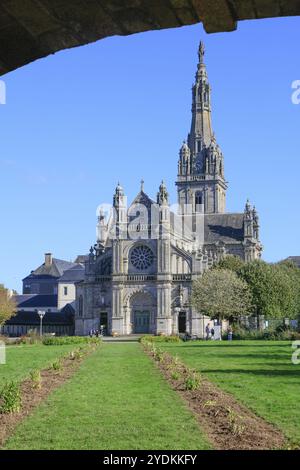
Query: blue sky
[(80, 120)]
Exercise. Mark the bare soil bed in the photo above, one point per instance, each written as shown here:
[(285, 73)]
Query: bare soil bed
[(228, 424), (31, 397)]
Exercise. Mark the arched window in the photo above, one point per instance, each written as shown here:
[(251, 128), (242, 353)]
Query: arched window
[(198, 201)]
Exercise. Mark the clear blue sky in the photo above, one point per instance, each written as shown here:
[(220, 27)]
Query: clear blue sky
[(78, 121)]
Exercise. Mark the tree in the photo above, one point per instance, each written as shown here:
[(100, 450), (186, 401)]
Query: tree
[(220, 293), (273, 293), (293, 272), (230, 262), (7, 305)]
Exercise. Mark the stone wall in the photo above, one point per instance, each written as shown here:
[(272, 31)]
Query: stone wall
[(31, 29)]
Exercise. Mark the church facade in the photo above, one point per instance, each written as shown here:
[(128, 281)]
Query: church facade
[(139, 274)]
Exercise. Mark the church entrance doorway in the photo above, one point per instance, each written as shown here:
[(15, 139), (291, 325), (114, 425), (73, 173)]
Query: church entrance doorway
[(142, 312), (103, 323), (182, 322), (141, 321)]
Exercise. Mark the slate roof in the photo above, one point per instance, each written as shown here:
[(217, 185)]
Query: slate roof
[(227, 228), (144, 199), (35, 300), (74, 274), (295, 259), (50, 318), (56, 269), (81, 259)]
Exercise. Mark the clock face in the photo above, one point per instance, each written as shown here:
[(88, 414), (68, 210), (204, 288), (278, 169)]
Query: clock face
[(141, 257)]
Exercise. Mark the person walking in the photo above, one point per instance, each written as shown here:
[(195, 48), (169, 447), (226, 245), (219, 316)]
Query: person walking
[(230, 332), (207, 331)]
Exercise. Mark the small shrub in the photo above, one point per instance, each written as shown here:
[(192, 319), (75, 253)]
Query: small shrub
[(32, 337), (269, 334), (159, 339), (193, 381), (175, 375), (78, 354), (66, 340), (10, 398), (235, 423), (159, 355), (36, 379), (57, 365)]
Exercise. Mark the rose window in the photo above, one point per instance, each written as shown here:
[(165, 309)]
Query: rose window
[(141, 257)]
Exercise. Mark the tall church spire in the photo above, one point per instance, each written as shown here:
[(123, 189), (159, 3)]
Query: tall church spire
[(201, 163), (201, 129)]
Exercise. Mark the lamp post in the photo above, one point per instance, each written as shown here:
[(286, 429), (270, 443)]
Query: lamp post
[(41, 314)]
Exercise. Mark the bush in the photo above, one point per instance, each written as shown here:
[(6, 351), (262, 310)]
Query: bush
[(160, 339), (65, 340), (36, 379), (279, 334), (10, 398), (32, 337), (193, 381), (57, 365), (175, 375)]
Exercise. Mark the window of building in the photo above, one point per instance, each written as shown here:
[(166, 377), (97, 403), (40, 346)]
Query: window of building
[(65, 291), (198, 201)]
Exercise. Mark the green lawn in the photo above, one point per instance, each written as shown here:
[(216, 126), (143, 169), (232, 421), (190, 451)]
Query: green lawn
[(20, 360), (258, 373), (116, 400)]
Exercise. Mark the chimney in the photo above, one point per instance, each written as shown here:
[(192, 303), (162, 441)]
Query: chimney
[(48, 259)]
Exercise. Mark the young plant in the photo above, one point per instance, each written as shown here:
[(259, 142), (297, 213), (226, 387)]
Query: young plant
[(175, 375), (235, 422), (36, 379), (193, 381), (78, 354), (159, 355), (10, 398), (57, 365)]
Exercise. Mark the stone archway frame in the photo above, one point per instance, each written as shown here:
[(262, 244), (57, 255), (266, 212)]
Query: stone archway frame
[(128, 312)]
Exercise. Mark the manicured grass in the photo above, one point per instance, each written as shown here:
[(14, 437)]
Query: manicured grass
[(22, 359), (258, 373), (116, 400)]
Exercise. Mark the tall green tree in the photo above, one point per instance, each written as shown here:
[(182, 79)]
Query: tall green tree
[(273, 293), (7, 305), (230, 262), (220, 293)]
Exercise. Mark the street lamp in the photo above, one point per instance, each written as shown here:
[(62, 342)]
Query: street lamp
[(41, 314)]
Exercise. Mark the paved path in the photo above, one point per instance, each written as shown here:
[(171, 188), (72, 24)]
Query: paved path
[(121, 339)]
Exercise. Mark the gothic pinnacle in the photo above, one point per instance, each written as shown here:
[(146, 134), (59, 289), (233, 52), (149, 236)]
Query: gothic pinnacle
[(201, 52)]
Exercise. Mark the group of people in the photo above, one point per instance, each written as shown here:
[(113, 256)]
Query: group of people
[(210, 332), (94, 332)]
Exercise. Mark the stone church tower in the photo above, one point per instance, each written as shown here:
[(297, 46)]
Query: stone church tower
[(201, 182), (139, 275)]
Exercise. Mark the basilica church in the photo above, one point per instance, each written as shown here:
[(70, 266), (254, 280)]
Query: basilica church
[(139, 274)]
